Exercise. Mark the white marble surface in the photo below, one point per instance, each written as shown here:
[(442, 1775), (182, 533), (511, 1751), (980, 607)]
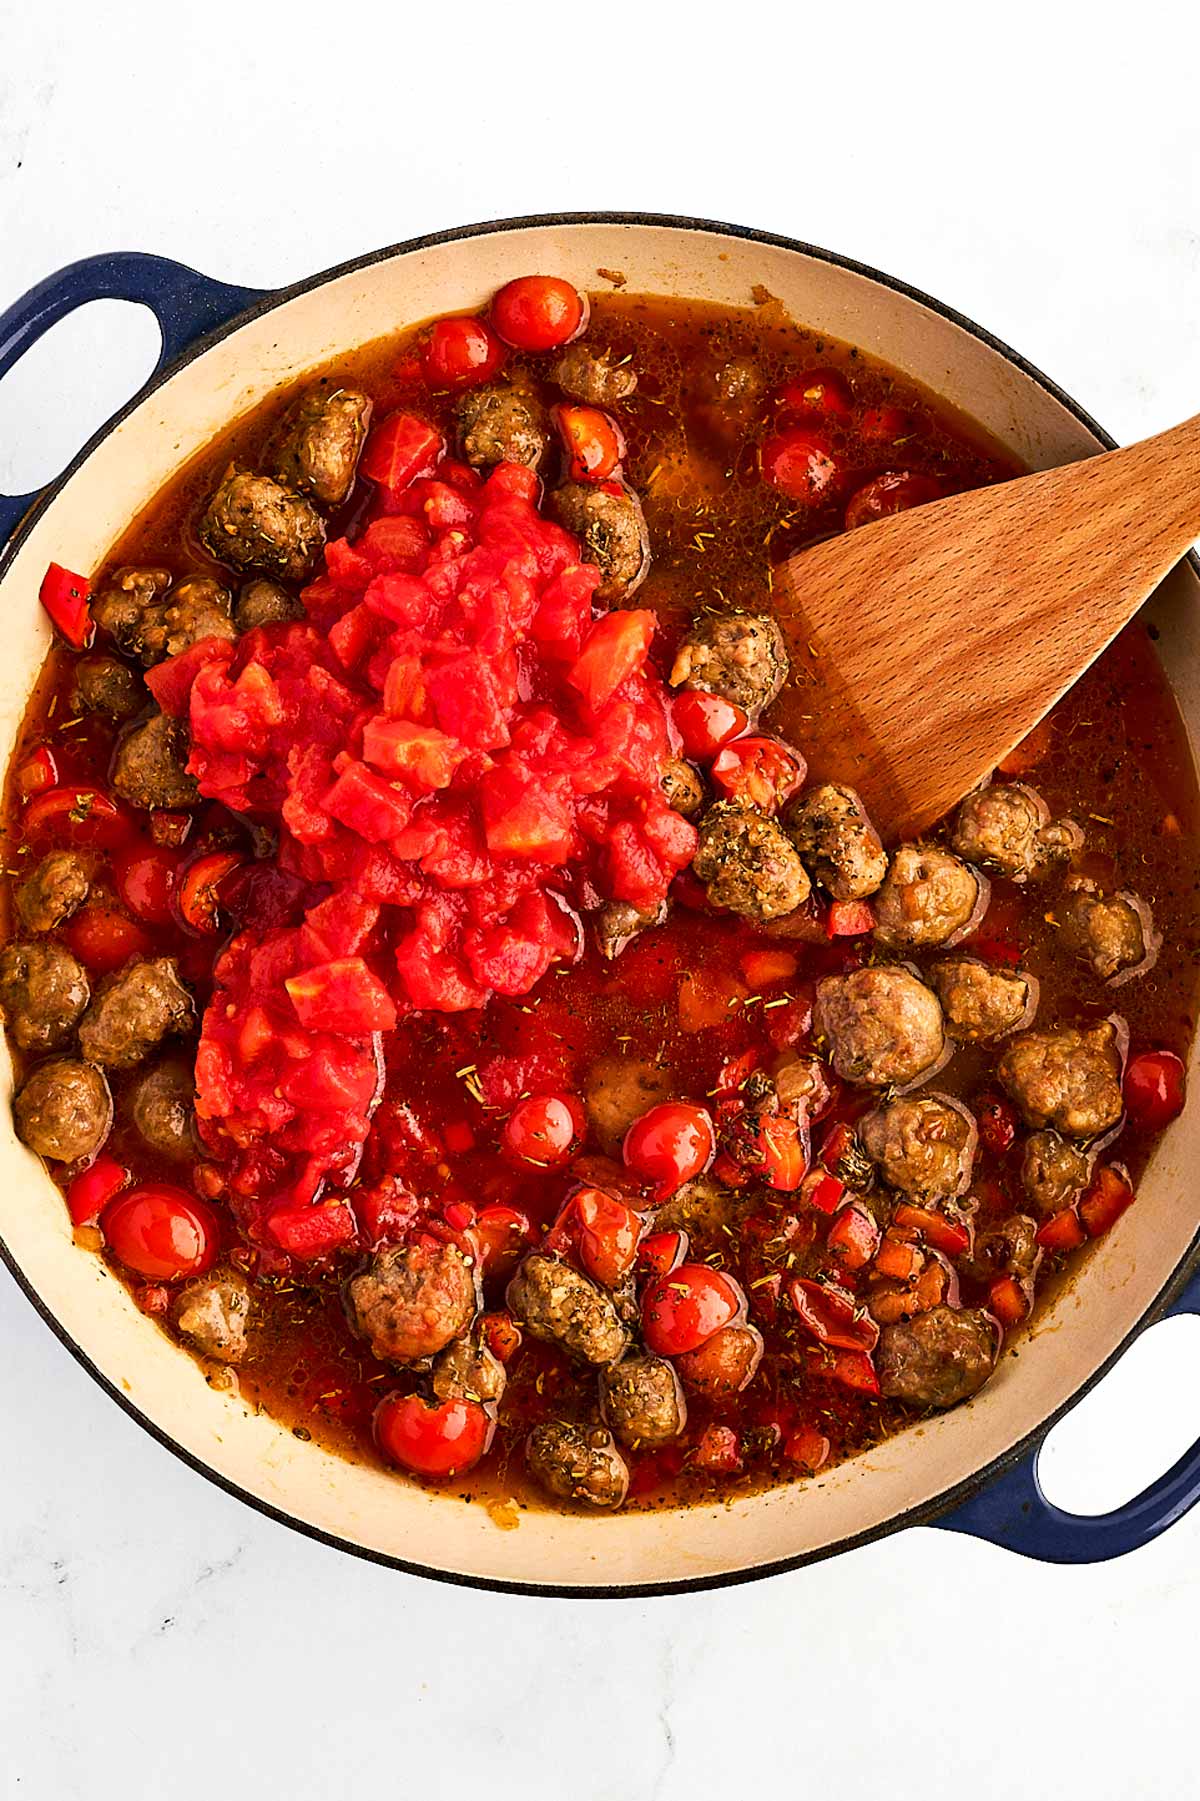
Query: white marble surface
[(1038, 167)]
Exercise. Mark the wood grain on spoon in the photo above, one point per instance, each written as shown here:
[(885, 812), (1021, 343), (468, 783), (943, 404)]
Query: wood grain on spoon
[(926, 646)]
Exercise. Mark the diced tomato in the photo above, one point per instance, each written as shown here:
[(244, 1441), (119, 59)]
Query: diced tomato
[(79, 815), (161, 1232), (822, 391), (1154, 1089), (544, 1129), (539, 312), (401, 448), (171, 681), (434, 1439), (849, 919), (375, 809), (832, 1315), (950, 1236), (145, 879), (669, 1145), (1008, 1300), (1063, 1231), (593, 442), (314, 1231), (808, 1447), (421, 754), (683, 1309), (893, 492), (197, 891), (853, 1237), (1108, 1195), (782, 1149), (707, 722), (460, 353), (342, 996), (37, 773), (459, 1136), (615, 646), (801, 465), (758, 772), (662, 1252), (94, 1187), (104, 938), (65, 598), (719, 1451), (997, 1122), (526, 816)]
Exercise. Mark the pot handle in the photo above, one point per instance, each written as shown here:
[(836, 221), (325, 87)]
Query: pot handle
[(185, 303), (1013, 1512)]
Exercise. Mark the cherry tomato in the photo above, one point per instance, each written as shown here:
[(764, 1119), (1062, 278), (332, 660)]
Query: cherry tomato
[(997, 1122), (818, 391), (79, 815), (197, 893), (800, 464), (707, 722), (807, 1446), (543, 1129), (759, 772), (104, 938), (539, 312), (594, 443), (682, 1310), (885, 425), (833, 1316), (670, 1145), (145, 879), (94, 1187), (502, 1234), (432, 1439), (459, 353), (608, 1235), (1154, 1089), (162, 1232), (662, 1252), (893, 492)]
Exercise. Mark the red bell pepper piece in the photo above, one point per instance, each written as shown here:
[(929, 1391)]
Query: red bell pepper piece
[(1108, 1195), (853, 1238), (832, 1315), (65, 598), (400, 448), (950, 1236), (1062, 1231), (826, 1192), (1008, 1300)]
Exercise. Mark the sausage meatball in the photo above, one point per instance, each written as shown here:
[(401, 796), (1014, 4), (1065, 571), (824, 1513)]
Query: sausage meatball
[(611, 528), (468, 1371), (979, 1002), (53, 890), (682, 787), (561, 1306), (1065, 1078), (1114, 933), (590, 375), (64, 1110), (724, 1365), (927, 896), (1007, 827), (213, 1312), (320, 442), (923, 1145), (741, 656), (618, 923), (619, 1090), (937, 1358), (883, 1025), (150, 623), (642, 1401), (133, 1011), (747, 865), (262, 602), (253, 523), (577, 1463), (129, 606), (413, 1300), (1053, 1172), (1011, 1249), (704, 1207), (838, 843), (162, 1107), (501, 424), (43, 992), (150, 766), (103, 685)]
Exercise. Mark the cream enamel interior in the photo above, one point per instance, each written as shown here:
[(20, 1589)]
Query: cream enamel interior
[(362, 1506)]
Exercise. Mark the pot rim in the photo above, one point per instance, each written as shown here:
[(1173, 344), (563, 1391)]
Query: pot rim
[(926, 1512)]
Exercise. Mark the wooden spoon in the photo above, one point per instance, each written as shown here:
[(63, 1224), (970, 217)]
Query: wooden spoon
[(924, 647)]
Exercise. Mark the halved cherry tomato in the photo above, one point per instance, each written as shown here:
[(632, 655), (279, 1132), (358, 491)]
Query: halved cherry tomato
[(950, 1236), (161, 1232), (800, 464), (816, 391), (65, 598), (1108, 1195), (669, 1145), (706, 722), (807, 1446), (594, 444), (853, 1237), (997, 1122), (832, 1315), (771, 1147), (849, 919), (662, 1252), (145, 879), (432, 1438), (683, 1309), (608, 1235), (79, 815), (37, 773), (502, 1234), (544, 1129), (1008, 1300), (885, 425), (719, 1451), (1062, 1231), (1154, 1089), (461, 352), (104, 938), (400, 448), (94, 1187), (759, 772), (892, 492), (539, 312), (197, 896)]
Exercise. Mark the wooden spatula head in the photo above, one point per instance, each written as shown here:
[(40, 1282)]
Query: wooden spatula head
[(926, 646)]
